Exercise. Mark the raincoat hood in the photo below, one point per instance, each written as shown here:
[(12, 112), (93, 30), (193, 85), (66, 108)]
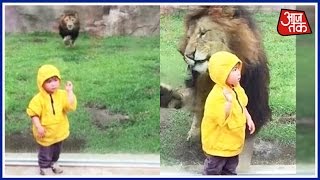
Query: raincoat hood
[(45, 72), (220, 66)]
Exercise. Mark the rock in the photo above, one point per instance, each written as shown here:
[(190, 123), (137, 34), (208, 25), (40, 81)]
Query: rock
[(96, 20)]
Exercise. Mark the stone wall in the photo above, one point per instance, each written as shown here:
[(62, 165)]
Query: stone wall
[(96, 20), (101, 20), (257, 8)]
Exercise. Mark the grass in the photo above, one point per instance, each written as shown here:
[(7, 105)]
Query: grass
[(283, 133), (174, 147), (305, 150), (120, 73), (173, 69), (306, 76), (281, 53), (306, 98)]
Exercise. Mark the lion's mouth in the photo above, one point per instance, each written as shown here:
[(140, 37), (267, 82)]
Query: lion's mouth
[(192, 62), (202, 61), (200, 66), (70, 27)]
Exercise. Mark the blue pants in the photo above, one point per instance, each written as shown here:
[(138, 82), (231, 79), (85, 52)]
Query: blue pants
[(47, 155)]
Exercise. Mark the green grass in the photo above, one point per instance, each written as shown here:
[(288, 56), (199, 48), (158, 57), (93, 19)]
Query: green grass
[(283, 133), (281, 53), (172, 67), (306, 97), (305, 151), (173, 145), (120, 73), (306, 76)]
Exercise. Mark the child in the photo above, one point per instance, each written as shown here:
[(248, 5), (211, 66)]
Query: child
[(48, 111), (225, 116)]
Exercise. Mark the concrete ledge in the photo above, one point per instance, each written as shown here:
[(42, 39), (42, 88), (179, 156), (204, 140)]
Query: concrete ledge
[(70, 171), (254, 170), (152, 158), (89, 165), (103, 165)]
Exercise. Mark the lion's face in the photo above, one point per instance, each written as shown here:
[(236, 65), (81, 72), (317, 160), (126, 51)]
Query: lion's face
[(70, 21), (204, 38)]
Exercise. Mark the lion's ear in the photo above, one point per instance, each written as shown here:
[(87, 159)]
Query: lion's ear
[(222, 11), (76, 14), (228, 11), (62, 16)]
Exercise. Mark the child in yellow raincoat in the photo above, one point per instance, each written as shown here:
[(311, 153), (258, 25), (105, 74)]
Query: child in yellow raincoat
[(225, 116), (48, 110)]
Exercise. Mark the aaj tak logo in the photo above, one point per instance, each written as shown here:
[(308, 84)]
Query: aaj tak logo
[(293, 22)]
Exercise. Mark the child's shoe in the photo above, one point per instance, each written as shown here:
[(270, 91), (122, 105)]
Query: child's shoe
[(45, 171), (56, 168)]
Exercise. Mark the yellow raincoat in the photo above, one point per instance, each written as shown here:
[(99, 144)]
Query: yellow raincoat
[(223, 136), (51, 112)]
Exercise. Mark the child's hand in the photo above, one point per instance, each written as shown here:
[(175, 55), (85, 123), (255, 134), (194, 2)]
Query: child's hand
[(251, 126), (227, 94), (41, 131), (69, 86)]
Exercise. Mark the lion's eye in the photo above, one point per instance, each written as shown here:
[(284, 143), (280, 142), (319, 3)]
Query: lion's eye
[(203, 33)]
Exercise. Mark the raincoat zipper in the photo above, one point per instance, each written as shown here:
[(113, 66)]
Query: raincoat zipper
[(238, 100), (52, 105)]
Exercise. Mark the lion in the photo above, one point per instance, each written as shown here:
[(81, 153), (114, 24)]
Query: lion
[(69, 27), (209, 29)]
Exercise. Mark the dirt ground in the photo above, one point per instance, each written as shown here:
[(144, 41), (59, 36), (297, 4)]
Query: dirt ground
[(264, 153), (101, 117)]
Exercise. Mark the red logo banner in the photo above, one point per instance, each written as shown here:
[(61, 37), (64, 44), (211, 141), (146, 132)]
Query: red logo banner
[(293, 22)]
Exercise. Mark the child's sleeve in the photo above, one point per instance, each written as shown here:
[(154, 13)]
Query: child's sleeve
[(243, 97), (67, 106), (34, 108), (215, 110)]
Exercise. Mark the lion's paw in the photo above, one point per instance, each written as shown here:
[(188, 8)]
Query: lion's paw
[(170, 98), (67, 40), (193, 135)]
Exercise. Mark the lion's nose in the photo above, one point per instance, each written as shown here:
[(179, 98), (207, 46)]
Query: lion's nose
[(69, 26)]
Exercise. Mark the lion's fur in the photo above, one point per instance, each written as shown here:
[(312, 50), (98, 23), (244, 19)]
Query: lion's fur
[(69, 18), (232, 29)]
